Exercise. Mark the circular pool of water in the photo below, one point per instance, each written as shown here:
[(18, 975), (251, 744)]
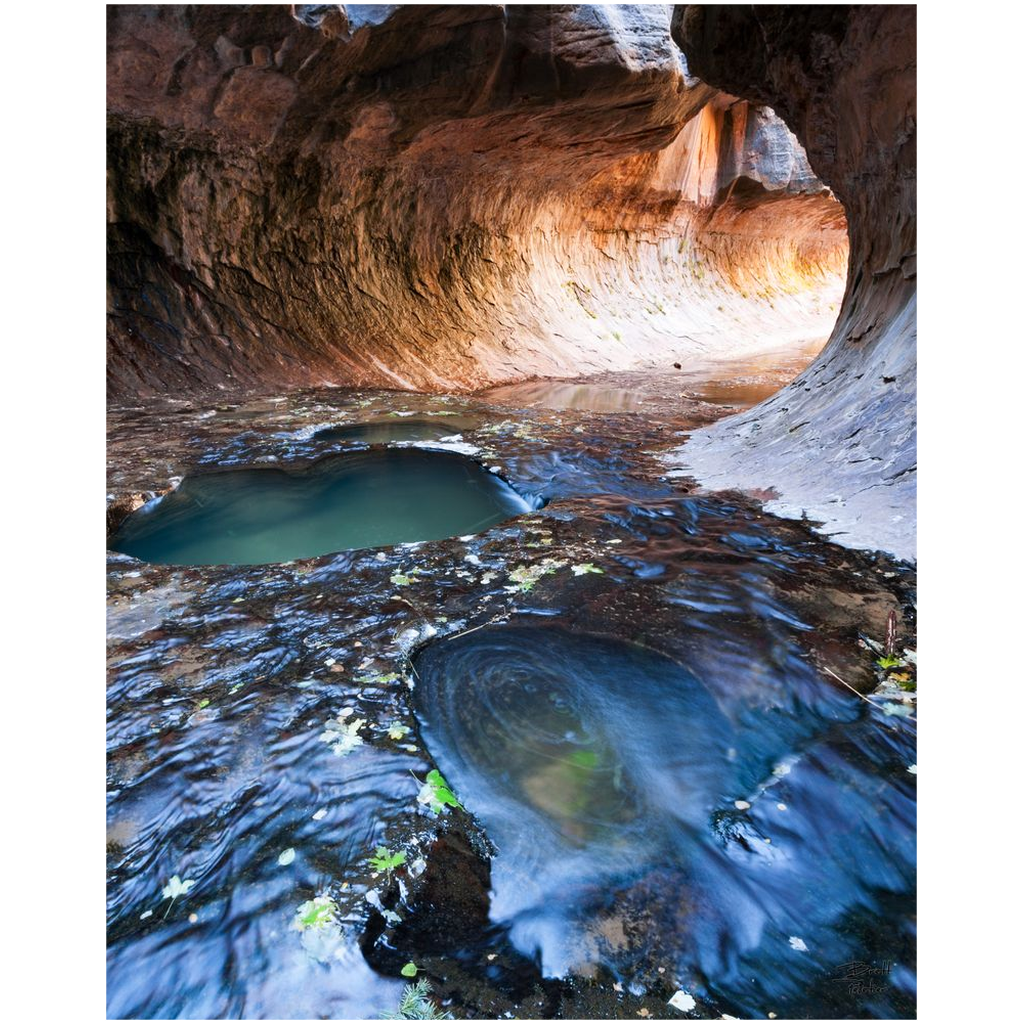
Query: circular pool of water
[(731, 818), (364, 499)]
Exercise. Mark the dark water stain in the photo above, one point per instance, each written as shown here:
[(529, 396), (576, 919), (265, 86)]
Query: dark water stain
[(359, 500)]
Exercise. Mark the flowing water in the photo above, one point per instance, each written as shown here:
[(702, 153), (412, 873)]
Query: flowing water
[(631, 687), (729, 813), (359, 500)]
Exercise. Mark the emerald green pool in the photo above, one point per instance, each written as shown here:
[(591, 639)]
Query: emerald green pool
[(362, 499)]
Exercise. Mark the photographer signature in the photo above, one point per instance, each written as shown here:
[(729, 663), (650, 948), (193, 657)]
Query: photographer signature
[(864, 978)]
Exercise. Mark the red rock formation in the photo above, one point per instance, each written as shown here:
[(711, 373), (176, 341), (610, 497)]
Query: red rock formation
[(450, 197), (839, 444)]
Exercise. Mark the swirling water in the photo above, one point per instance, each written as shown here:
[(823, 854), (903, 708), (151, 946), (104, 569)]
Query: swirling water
[(729, 807), (652, 658)]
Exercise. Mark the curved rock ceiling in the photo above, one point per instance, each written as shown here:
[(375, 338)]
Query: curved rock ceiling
[(445, 197)]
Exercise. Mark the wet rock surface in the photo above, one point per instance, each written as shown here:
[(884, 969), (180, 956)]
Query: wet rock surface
[(264, 744)]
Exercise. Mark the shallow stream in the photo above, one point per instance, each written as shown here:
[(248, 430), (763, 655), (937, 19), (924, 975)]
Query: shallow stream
[(682, 767)]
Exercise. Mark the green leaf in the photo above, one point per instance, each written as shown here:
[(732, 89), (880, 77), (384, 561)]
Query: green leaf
[(385, 860), (410, 970), (437, 793), (524, 578), (584, 568), (583, 759), (315, 913), (377, 678), (887, 662)]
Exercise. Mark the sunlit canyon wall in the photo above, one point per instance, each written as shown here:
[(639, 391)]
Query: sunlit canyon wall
[(449, 197), (452, 197)]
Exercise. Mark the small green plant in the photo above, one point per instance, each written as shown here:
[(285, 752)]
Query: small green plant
[(385, 860), (414, 1005), (410, 970), (315, 913), (887, 662), (437, 794)]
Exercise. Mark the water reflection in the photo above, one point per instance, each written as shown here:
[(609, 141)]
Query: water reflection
[(554, 394), (395, 429), (743, 383)]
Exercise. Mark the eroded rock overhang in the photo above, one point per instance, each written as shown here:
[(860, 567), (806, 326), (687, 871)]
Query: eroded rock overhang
[(443, 198)]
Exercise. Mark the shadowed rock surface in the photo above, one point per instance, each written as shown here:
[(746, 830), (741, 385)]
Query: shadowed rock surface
[(838, 445)]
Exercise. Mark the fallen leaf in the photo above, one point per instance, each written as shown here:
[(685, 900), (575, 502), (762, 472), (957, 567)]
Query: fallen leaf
[(176, 887)]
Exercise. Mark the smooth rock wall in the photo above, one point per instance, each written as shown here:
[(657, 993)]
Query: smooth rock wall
[(838, 444), (442, 198)]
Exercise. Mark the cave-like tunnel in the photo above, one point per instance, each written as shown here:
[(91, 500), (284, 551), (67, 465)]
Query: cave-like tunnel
[(441, 198), (523, 393)]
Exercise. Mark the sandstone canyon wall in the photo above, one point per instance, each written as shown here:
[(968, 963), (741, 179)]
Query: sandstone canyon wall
[(443, 197), (839, 444)]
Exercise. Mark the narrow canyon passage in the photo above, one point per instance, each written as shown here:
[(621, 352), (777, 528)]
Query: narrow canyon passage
[(510, 510)]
